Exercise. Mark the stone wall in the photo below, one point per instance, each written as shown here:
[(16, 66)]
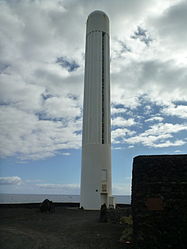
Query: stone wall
[(159, 202)]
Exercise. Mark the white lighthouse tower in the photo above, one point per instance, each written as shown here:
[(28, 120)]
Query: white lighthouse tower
[(96, 140)]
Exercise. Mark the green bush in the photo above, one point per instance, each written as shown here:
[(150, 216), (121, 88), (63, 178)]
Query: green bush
[(126, 220), (128, 231)]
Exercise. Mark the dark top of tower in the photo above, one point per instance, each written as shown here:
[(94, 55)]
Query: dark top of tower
[(98, 21)]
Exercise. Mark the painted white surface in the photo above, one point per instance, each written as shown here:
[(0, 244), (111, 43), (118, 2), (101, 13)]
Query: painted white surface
[(96, 156), (97, 21)]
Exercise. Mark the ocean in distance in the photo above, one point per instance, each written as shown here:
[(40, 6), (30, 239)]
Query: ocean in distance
[(37, 198)]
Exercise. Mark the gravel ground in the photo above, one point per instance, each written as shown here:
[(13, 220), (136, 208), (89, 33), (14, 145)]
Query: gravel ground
[(66, 228)]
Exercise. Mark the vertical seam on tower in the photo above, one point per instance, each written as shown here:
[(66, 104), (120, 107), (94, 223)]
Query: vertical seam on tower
[(103, 100)]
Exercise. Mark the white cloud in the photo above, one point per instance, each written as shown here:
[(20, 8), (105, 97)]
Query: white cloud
[(171, 25), (66, 154), (115, 110), (170, 144), (24, 134), (121, 122), (117, 148), (157, 136), (151, 78), (11, 180), (165, 128), (120, 134), (41, 101), (56, 107), (120, 90), (176, 110), (178, 151), (147, 140), (153, 119)]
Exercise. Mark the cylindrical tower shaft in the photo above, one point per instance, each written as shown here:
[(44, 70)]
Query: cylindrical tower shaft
[(96, 139)]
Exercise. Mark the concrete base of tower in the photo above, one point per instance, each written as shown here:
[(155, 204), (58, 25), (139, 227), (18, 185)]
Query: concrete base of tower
[(95, 176)]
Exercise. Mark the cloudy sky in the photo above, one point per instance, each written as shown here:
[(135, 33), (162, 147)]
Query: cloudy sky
[(42, 46)]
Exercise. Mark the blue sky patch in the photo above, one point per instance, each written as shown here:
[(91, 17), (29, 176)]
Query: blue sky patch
[(71, 66), (142, 35)]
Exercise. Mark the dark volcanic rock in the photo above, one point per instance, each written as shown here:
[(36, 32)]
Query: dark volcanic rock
[(46, 206), (159, 201), (103, 213)]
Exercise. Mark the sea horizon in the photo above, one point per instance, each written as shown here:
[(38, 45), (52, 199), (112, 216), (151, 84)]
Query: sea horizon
[(37, 198)]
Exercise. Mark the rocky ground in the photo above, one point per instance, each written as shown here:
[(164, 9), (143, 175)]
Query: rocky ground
[(66, 228)]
